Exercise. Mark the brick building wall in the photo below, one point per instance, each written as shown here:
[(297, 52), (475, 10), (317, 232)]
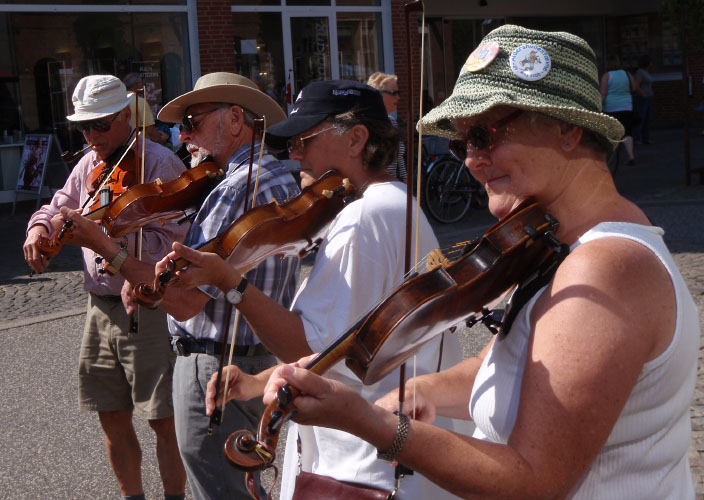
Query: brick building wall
[(401, 59), (216, 36)]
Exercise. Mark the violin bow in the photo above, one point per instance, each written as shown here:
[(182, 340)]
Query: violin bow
[(139, 165), (411, 6), (219, 413)]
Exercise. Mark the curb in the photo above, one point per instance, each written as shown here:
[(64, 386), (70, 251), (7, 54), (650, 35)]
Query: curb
[(39, 319)]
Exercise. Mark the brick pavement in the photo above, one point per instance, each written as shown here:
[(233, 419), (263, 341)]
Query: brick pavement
[(656, 183)]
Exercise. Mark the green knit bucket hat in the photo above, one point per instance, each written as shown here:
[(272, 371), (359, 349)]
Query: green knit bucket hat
[(553, 73)]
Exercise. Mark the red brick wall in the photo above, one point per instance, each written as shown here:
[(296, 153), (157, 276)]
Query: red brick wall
[(216, 36), (401, 64)]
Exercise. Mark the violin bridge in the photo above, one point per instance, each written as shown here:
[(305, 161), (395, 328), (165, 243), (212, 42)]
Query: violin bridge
[(435, 259), (158, 181), (327, 193), (346, 183)]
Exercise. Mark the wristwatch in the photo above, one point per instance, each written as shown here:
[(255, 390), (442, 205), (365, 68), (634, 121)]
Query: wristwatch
[(116, 262), (234, 295)]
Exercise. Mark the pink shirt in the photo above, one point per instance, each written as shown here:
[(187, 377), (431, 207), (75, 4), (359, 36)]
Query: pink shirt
[(159, 162)]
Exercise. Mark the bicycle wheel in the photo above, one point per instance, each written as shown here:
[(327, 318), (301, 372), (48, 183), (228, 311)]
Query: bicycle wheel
[(448, 191)]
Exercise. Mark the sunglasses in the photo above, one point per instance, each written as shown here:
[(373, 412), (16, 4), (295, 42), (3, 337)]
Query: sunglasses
[(187, 120), (97, 125), (481, 137), (297, 144), (391, 92)]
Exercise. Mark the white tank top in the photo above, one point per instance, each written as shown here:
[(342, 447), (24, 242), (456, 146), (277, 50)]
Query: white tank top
[(646, 454)]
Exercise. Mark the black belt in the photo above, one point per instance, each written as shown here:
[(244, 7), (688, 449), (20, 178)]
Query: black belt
[(184, 346), (111, 298)]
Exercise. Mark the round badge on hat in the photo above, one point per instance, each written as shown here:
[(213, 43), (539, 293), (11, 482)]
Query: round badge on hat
[(530, 62), (481, 57)]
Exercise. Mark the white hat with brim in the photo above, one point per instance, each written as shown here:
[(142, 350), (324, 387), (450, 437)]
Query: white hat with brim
[(98, 96), (224, 87)]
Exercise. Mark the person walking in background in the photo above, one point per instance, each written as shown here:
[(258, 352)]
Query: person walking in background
[(616, 87), (388, 86), (643, 100)]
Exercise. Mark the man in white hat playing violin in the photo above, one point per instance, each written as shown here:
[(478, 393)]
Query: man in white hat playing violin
[(217, 120), (121, 373)]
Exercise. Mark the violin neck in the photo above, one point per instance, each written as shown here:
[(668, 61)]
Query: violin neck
[(335, 351)]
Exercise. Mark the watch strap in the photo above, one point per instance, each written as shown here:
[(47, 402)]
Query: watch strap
[(116, 262)]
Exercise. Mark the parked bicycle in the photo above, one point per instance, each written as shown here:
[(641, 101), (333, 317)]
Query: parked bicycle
[(448, 189)]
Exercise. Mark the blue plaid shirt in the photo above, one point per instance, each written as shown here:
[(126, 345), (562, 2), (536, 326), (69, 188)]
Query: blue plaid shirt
[(275, 277)]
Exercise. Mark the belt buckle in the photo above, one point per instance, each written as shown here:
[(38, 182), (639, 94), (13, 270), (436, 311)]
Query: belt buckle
[(180, 348)]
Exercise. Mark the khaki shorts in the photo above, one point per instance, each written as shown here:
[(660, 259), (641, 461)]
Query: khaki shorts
[(119, 372)]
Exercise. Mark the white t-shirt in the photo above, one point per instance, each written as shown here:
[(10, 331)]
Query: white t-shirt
[(645, 456), (360, 261)]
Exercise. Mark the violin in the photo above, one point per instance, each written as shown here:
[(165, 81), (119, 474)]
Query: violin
[(425, 305), (294, 228), (145, 203), (105, 183), (159, 200)]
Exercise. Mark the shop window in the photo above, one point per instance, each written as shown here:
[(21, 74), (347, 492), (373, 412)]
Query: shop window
[(304, 3), (111, 2), (256, 2), (310, 43), (55, 50), (259, 51), (359, 44), (358, 3)]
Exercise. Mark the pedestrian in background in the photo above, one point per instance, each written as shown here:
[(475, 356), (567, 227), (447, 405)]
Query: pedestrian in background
[(643, 100), (616, 87), (388, 86)]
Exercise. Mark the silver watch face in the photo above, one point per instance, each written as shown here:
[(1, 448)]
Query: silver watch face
[(233, 296)]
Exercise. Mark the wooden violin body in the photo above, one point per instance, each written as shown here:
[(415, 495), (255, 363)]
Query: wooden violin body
[(148, 202), (293, 228), (141, 203), (420, 309)]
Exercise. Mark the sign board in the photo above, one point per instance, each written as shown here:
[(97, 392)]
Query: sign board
[(35, 156)]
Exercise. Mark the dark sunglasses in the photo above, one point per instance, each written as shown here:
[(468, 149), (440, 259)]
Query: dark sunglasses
[(187, 120), (391, 92), (481, 137), (97, 125)]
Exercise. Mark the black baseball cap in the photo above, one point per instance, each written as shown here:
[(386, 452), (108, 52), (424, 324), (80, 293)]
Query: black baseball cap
[(319, 100)]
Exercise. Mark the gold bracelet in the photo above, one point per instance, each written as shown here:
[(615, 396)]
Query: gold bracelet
[(399, 440)]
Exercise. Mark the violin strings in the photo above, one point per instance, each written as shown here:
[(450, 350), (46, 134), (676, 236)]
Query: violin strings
[(91, 200)]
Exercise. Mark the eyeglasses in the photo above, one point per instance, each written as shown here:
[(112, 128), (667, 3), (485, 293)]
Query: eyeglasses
[(297, 144), (102, 125), (481, 137), (187, 120), (391, 92)]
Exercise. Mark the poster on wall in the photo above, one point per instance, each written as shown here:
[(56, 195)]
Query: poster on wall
[(30, 176), (150, 73)]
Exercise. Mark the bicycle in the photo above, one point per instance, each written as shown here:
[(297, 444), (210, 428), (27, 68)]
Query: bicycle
[(448, 189)]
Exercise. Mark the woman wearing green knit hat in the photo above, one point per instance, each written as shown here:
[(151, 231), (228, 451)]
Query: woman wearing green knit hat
[(586, 393)]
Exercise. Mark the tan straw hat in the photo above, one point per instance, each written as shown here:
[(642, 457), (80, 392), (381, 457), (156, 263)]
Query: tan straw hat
[(553, 73), (98, 96), (224, 87)]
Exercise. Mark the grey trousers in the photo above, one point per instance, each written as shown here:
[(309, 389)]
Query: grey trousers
[(210, 475)]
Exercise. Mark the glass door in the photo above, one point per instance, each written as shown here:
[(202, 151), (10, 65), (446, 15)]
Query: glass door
[(308, 54)]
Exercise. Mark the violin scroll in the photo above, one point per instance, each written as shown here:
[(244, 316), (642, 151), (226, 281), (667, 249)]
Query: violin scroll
[(51, 246), (249, 452)]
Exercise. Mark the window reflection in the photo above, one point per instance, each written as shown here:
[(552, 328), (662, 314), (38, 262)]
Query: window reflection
[(359, 42), (259, 51), (52, 51)]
